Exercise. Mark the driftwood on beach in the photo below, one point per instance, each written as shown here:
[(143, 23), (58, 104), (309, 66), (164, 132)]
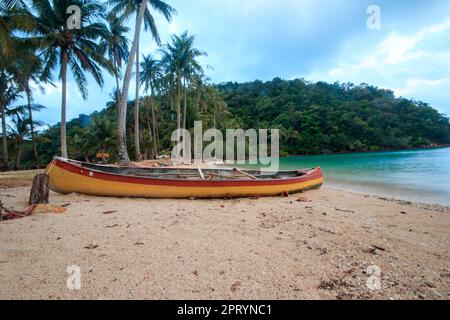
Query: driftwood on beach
[(39, 191)]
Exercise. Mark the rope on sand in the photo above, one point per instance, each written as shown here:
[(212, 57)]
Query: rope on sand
[(8, 214)]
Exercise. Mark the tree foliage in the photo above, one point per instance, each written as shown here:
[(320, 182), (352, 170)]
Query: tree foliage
[(313, 118), (316, 118)]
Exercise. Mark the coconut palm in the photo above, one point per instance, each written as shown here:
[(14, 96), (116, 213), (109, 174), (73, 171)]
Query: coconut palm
[(8, 94), (62, 46), (192, 68), (150, 77), (26, 65), (180, 59), (18, 136), (172, 59), (116, 47), (28, 70), (5, 38), (13, 3), (122, 106), (81, 144), (166, 86), (103, 134), (20, 118), (126, 8), (112, 105), (6, 6)]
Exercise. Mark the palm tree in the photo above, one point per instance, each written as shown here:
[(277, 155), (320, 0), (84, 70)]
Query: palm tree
[(25, 65), (5, 38), (22, 126), (167, 85), (116, 47), (13, 3), (122, 106), (62, 46), (6, 41), (18, 136), (126, 8), (199, 85), (150, 76), (28, 69), (180, 59), (112, 106), (172, 59), (103, 134), (192, 68), (8, 94)]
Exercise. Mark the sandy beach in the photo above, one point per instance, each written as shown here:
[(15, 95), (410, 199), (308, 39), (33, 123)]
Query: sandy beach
[(315, 245)]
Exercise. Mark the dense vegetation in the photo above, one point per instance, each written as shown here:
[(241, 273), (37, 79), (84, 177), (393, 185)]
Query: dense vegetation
[(318, 117), (38, 45), (313, 118)]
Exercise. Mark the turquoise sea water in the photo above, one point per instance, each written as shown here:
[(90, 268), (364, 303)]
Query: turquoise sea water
[(415, 175)]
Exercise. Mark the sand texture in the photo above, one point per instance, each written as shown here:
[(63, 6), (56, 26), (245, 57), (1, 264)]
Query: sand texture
[(316, 245)]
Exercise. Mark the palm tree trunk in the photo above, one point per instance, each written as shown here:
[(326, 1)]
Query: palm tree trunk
[(116, 75), (117, 98), (155, 142), (147, 117), (19, 156), (185, 104), (117, 86), (136, 110), (63, 104), (122, 146), (177, 101), (171, 91), (33, 136), (157, 136), (116, 71), (197, 98), (4, 140)]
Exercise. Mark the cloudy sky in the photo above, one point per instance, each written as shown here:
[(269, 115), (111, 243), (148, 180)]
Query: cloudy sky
[(318, 40)]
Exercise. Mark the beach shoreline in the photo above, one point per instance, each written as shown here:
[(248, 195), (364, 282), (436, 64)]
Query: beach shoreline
[(431, 147), (405, 198), (314, 245)]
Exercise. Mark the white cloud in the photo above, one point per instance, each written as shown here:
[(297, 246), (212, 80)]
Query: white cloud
[(398, 48), (173, 27), (394, 49), (46, 87), (414, 65), (412, 85)]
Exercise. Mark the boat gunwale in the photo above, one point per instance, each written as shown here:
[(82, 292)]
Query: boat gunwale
[(311, 174)]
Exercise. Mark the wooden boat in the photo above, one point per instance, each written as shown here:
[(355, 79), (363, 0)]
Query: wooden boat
[(67, 176)]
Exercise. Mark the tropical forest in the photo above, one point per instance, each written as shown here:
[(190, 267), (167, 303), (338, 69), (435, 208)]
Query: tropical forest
[(172, 91)]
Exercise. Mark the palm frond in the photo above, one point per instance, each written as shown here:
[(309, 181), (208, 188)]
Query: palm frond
[(80, 77)]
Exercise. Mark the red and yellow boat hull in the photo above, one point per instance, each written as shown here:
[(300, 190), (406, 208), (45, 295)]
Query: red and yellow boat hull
[(66, 177)]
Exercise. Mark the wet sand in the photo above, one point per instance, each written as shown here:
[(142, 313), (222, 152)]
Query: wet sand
[(268, 248)]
